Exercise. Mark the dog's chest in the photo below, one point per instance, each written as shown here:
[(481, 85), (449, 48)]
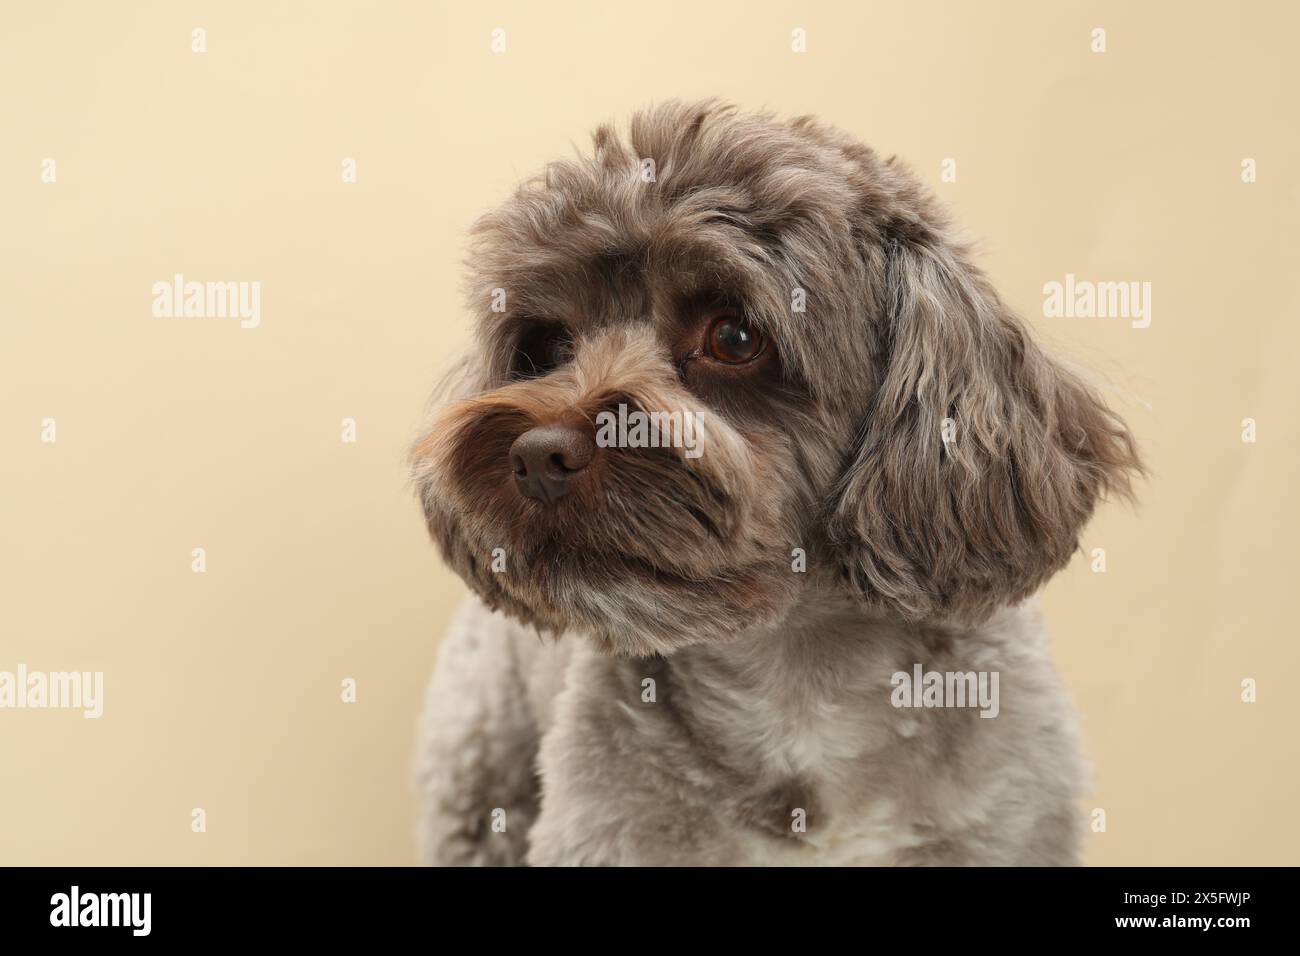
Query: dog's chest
[(808, 783), (819, 815), (795, 763), (863, 836)]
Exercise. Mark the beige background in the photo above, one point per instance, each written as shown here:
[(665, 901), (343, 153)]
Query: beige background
[(223, 688)]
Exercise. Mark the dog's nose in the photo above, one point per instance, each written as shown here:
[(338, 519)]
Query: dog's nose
[(547, 458)]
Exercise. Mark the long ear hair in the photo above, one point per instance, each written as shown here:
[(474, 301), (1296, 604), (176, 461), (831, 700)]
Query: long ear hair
[(980, 459)]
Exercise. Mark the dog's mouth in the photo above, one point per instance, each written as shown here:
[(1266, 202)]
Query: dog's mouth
[(643, 546), (564, 531), (566, 568), (557, 564), (633, 515)]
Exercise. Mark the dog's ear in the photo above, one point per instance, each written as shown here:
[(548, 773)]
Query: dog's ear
[(980, 458)]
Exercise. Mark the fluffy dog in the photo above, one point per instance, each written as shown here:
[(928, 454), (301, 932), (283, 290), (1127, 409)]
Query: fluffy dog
[(889, 468)]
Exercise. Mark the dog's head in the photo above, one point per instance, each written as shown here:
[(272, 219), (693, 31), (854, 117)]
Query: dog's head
[(732, 358)]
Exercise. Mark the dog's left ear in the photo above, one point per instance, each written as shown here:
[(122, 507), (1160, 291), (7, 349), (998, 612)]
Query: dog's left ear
[(980, 459)]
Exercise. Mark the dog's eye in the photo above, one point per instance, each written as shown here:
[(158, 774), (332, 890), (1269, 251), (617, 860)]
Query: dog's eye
[(732, 340), (541, 350)]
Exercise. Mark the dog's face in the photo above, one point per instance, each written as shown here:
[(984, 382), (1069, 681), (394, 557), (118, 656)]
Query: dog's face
[(868, 415)]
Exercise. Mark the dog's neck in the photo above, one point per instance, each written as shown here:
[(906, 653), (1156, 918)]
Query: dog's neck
[(808, 698)]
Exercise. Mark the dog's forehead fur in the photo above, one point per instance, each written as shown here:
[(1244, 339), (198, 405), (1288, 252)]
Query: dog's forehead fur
[(699, 200)]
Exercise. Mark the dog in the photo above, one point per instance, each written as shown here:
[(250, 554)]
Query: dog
[(698, 660)]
